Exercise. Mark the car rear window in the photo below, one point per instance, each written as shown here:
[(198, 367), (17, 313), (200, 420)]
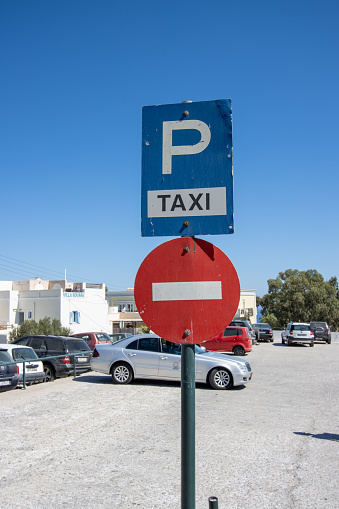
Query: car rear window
[(103, 337), (25, 354), (5, 357), (73, 345), (85, 337), (301, 327)]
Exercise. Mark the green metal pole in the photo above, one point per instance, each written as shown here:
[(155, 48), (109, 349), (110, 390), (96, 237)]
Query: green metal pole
[(74, 367), (188, 427), (213, 503), (24, 375)]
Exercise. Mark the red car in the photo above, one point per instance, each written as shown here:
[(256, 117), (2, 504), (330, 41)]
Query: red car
[(93, 338), (233, 339)]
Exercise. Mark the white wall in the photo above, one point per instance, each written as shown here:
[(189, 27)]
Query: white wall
[(248, 300), (8, 307), (93, 310), (41, 302)]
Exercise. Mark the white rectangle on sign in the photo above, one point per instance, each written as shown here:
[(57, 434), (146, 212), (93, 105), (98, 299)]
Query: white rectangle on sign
[(188, 290), (207, 201)]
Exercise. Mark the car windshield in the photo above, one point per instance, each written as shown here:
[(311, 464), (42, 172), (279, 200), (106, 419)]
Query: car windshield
[(24, 354)]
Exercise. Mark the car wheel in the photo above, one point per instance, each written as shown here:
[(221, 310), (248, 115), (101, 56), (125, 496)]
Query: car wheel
[(121, 374), (49, 373), (271, 340), (282, 339), (312, 344), (220, 378), (289, 342), (238, 350), (329, 341)]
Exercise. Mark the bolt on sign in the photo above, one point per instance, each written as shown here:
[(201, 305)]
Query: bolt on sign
[(187, 169), (187, 290)]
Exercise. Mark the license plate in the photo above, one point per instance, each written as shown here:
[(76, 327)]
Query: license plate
[(301, 334), (32, 369), (5, 382), (81, 359)]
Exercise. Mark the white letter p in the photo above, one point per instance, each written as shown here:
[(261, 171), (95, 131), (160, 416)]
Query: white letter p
[(168, 150)]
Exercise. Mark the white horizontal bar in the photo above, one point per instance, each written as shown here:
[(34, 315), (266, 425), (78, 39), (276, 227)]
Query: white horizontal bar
[(190, 290)]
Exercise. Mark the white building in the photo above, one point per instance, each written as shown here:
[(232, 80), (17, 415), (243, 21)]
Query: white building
[(124, 315), (80, 306)]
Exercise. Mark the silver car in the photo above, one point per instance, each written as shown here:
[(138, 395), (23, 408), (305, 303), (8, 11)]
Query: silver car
[(298, 332), (149, 356)]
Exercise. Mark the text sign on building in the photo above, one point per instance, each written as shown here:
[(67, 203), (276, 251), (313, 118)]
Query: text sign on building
[(187, 169)]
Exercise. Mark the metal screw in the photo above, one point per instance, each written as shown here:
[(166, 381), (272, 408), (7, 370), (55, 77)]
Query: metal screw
[(187, 332), (186, 223), (186, 113), (230, 227), (187, 249)]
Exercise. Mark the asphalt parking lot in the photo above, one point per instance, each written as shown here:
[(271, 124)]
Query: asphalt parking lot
[(87, 443)]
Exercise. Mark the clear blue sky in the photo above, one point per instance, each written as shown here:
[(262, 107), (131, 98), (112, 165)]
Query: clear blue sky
[(74, 77)]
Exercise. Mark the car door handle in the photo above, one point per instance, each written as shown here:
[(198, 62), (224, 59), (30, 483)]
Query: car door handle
[(131, 354), (163, 357)]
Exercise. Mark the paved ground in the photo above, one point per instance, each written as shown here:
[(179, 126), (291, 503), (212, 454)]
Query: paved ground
[(90, 444)]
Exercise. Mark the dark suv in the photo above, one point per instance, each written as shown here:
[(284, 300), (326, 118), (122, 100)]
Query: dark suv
[(46, 346), (321, 331)]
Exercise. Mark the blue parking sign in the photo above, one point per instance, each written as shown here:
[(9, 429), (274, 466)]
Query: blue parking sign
[(187, 169)]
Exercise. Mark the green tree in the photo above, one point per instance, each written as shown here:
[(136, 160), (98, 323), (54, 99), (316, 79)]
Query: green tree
[(144, 329), (271, 319), (301, 296), (44, 326)]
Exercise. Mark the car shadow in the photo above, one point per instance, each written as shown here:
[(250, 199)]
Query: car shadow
[(294, 345), (323, 436), (107, 380), (93, 379)]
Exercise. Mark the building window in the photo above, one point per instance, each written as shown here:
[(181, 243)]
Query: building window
[(29, 315), (74, 317), (125, 307)]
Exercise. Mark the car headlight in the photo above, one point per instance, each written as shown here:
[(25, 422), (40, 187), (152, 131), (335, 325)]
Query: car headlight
[(243, 367)]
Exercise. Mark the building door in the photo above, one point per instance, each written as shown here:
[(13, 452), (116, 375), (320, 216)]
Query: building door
[(21, 317)]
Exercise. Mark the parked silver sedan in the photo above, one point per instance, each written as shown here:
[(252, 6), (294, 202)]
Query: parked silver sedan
[(151, 357)]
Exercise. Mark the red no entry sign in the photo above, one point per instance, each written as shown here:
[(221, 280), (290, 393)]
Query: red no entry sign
[(187, 290)]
